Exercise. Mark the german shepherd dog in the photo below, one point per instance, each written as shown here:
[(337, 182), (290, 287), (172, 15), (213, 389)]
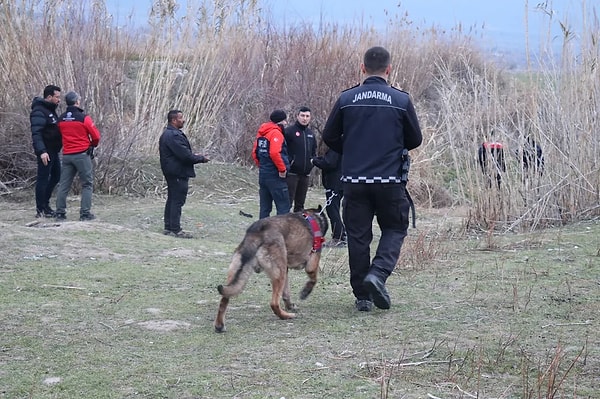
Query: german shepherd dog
[(274, 245)]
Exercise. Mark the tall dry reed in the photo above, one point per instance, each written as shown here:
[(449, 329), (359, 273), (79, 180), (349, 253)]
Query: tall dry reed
[(227, 64)]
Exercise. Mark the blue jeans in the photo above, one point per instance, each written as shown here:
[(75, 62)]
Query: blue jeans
[(273, 189), (72, 164), (47, 179)]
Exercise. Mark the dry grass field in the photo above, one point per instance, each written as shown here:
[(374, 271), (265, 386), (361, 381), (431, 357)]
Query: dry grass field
[(114, 309), (496, 294)]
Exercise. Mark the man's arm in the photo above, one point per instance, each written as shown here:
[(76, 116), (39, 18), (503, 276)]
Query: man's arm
[(412, 132), (93, 132), (328, 162), (38, 123), (254, 155), (179, 146), (275, 146), (332, 133)]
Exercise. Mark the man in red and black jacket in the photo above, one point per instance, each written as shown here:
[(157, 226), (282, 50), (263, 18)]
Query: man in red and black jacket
[(270, 155), (79, 137)]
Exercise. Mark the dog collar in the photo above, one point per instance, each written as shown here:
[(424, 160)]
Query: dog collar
[(318, 239)]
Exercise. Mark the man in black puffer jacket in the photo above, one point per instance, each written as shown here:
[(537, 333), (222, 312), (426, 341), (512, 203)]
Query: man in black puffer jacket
[(302, 147), (47, 143), (177, 163)]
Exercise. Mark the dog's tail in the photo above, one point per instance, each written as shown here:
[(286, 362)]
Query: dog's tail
[(242, 265)]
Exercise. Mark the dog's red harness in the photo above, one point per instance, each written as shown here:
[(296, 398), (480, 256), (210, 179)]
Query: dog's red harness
[(318, 238)]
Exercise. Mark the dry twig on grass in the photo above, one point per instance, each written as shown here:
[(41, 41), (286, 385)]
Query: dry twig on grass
[(63, 287)]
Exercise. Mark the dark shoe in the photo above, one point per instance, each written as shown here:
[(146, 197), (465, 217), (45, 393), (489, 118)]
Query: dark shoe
[(60, 216), (47, 212), (363, 305), (181, 234), (167, 232), (87, 216), (376, 288)]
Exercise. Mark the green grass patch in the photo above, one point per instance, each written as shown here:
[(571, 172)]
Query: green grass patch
[(114, 309)]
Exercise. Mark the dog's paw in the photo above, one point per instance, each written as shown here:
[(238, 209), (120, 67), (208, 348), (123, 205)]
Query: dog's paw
[(220, 329), (305, 293), (290, 306)]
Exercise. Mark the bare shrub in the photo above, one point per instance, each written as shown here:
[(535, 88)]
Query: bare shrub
[(226, 65), (422, 249), (554, 108), (553, 378)]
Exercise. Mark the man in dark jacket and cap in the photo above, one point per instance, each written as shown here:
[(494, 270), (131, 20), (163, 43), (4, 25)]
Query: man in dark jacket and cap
[(47, 143), (177, 163)]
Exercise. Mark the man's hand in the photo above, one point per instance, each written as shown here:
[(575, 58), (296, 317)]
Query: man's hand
[(205, 158), (283, 174), (45, 158)]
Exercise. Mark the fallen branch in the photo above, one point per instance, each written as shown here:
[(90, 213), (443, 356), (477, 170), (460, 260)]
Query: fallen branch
[(37, 223), (63, 287), (106, 325), (430, 362), (583, 323), (393, 364), (461, 390)]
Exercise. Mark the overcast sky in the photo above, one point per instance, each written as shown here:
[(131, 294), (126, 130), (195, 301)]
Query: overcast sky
[(499, 21)]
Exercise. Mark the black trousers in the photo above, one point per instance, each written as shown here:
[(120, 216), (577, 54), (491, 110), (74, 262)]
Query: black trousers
[(362, 202), (48, 177), (177, 189), (338, 231), (297, 189)]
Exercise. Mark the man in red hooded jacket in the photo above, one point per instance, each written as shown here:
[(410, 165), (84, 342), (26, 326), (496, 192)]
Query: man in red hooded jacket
[(270, 155)]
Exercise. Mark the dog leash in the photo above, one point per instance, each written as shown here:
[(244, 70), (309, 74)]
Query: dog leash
[(408, 197), (328, 202)]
